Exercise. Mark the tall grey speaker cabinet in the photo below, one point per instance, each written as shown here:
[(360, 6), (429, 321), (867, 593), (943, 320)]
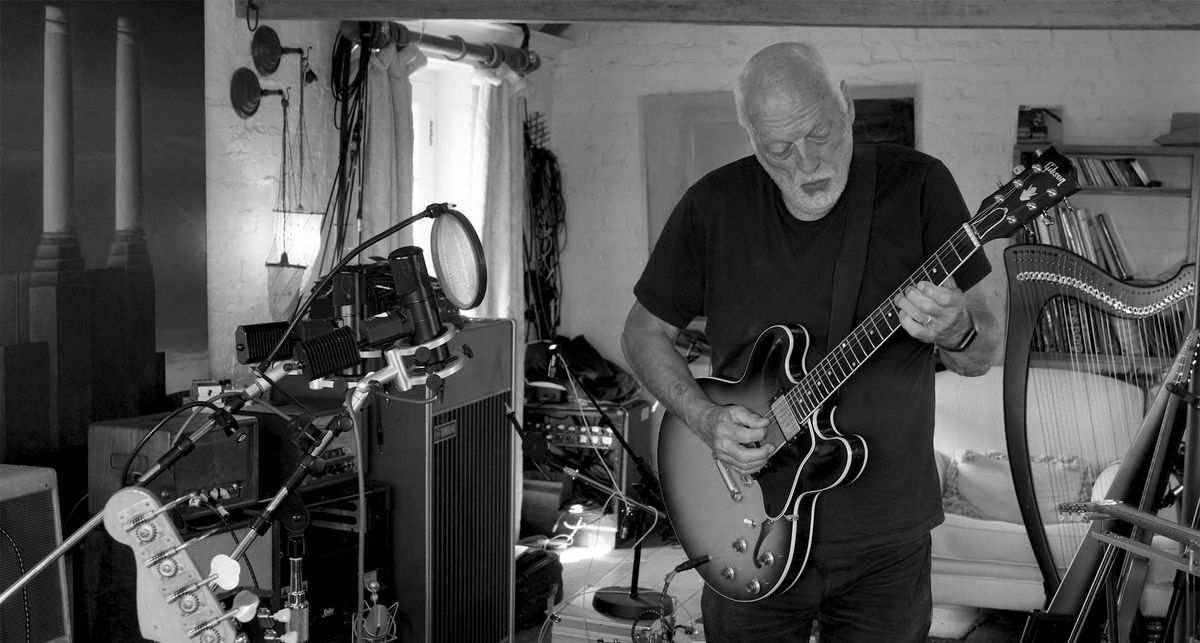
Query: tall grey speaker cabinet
[(451, 468)]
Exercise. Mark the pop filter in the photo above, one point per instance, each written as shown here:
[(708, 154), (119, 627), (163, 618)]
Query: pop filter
[(458, 259)]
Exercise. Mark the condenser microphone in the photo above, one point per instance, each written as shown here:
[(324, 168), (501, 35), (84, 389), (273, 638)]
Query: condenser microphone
[(416, 295)]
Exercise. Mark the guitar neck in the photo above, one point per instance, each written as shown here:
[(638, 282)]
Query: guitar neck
[(824, 379)]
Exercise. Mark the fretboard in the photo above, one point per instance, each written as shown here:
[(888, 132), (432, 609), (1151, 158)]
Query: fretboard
[(795, 406)]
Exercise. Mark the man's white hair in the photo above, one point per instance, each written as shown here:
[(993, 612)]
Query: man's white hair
[(779, 64)]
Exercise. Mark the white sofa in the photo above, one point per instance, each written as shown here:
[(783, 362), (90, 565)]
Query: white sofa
[(981, 554)]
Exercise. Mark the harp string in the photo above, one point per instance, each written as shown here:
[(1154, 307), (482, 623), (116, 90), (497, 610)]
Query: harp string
[(1085, 326)]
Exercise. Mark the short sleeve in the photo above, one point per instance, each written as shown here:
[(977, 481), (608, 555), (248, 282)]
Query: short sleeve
[(672, 284)]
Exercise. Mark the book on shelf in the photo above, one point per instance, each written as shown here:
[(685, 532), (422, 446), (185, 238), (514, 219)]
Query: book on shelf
[(1118, 266), (1096, 171)]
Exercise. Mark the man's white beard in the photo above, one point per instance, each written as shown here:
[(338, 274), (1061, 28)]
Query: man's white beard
[(814, 206)]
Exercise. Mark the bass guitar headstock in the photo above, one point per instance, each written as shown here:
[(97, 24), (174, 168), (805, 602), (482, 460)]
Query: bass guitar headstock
[(174, 601)]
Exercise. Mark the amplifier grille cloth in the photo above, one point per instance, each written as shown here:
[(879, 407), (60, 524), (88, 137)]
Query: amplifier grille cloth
[(26, 537), (472, 511)]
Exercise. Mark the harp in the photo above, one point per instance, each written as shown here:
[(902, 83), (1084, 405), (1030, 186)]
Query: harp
[(1070, 321)]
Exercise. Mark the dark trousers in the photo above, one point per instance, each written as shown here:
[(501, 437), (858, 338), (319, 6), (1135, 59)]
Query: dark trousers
[(880, 595)]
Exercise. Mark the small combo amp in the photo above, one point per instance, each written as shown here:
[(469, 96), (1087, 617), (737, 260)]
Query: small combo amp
[(576, 432), (220, 466), (30, 527)]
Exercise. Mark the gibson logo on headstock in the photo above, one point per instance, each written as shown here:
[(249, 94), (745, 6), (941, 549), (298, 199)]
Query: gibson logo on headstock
[(1052, 169)]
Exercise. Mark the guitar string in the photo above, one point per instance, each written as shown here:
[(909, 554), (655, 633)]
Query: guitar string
[(807, 390)]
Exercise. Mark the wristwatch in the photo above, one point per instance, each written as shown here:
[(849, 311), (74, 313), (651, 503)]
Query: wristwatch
[(966, 340)]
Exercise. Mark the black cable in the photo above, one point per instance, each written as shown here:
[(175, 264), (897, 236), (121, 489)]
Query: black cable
[(545, 232), (149, 434), (233, 534)]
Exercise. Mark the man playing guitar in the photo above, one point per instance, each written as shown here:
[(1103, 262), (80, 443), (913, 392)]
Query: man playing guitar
[(770, 240)]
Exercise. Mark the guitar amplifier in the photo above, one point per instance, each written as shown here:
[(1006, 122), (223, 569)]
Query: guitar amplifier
[(219, 465), (574, 433), (29, 520), (580, 437)]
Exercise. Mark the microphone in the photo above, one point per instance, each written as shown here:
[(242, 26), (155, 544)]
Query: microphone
[(417, 296)]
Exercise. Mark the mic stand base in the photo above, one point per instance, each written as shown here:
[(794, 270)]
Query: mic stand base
[(622, 602)]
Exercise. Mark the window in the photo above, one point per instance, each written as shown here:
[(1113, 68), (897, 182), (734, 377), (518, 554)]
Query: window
[(445, 167)]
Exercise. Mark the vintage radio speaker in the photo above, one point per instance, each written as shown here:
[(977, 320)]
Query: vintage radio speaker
[(29, 530), (451, 468)]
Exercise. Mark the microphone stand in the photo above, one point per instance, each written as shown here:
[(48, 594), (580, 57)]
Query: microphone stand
[(185, 445), (617, 600)]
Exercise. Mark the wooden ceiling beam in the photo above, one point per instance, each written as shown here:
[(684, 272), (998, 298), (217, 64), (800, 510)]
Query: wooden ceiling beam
[(983, 14)]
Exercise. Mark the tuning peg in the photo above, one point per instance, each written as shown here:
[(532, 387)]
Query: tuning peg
[(1046, 218), (225, 571), (245, 607), (283, 616), (1017, 169), (290, 637)]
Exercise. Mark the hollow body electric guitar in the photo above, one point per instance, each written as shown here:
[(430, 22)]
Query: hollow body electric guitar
[(757, 530)]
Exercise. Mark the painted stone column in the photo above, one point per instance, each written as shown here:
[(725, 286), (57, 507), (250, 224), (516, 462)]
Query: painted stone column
[(128, 251), (58, 260), (58, 293)]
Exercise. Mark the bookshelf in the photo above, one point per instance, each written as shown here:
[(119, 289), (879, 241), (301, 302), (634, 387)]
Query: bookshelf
[(1173, 171), (1146, 198)]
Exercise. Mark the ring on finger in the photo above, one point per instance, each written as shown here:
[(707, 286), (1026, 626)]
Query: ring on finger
[(928, 318)]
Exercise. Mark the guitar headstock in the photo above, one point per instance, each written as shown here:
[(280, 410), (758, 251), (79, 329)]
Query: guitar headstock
[(1047, 181), (174, 604)]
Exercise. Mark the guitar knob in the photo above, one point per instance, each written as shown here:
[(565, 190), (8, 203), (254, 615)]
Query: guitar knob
[(753, 587), (766, 559), (728, 572), (739, 545)]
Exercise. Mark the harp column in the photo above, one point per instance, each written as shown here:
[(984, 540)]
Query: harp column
[(58, 297), (128, 251)]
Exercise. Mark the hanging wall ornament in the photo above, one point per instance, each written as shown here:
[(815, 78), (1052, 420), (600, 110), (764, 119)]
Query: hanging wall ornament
[(266, 50), (245, 93)]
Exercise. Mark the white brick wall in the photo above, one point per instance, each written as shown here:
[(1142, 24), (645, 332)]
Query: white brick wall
[(1117, 87), (243, 159)]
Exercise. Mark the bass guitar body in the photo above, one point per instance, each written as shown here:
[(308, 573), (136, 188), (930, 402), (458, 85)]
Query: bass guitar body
[(756, 530)]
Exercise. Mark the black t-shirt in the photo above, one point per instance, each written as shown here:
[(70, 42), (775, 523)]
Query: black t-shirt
[(732, 253)]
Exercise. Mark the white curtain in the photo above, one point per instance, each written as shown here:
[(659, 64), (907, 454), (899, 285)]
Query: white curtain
[(388, 149), (500, 160)]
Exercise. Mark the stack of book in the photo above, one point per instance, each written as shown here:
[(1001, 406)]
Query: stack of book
[(1086, 233), (1095, 171)]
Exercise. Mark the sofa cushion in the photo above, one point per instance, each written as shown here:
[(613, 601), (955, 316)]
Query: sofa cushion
[(995, 541), (980, 485)]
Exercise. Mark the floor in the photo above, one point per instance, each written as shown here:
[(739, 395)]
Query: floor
[(587, 569)]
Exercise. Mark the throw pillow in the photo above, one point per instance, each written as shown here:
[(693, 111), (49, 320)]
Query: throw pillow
[(980, 485)]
